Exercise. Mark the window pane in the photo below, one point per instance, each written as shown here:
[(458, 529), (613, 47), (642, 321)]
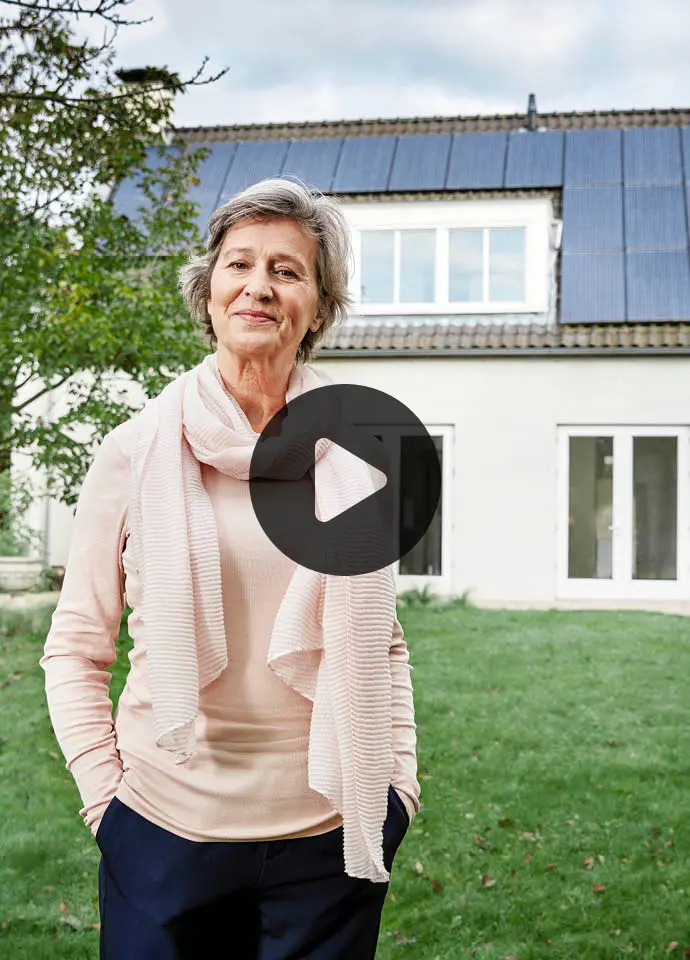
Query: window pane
[(507, 264), (590, 508), (417, 265), (465, 262), (425, 557), (655, 507), (377, 266)]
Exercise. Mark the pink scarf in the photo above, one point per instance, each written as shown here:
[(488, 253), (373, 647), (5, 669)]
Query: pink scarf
[(331, 636)]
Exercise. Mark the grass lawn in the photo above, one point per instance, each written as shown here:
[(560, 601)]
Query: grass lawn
[(554, 753)]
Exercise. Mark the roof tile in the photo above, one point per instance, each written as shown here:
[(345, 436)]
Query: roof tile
[(401, 336)]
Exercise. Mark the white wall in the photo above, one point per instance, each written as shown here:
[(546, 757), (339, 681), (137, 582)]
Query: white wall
[(506, 413)]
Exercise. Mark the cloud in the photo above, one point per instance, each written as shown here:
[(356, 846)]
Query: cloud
[(322, 59)]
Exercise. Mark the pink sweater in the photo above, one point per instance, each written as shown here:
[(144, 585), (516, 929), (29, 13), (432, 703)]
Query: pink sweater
[(250, 779)]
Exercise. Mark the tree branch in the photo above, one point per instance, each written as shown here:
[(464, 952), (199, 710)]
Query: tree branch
[(36, 396), (74, 8)]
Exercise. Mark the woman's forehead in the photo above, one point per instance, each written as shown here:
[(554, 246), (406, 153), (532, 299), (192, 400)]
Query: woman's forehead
[(274, 232)]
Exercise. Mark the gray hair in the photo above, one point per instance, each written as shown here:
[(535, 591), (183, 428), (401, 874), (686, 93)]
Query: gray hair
[(318, 215)]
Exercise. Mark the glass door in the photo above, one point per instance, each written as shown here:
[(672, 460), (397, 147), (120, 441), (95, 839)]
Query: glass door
[(624, 515)]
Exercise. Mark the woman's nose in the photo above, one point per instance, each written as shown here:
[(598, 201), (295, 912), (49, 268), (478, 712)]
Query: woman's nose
[(258, 285)]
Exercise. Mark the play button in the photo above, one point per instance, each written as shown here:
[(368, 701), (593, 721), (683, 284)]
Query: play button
[(326, 481), (378, 477)]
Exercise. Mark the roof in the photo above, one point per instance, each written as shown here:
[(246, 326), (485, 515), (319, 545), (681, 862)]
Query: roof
[(591, 120), (620, 181), (434, 338)]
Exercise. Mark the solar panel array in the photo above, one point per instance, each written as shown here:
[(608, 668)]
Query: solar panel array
[(625, 198)]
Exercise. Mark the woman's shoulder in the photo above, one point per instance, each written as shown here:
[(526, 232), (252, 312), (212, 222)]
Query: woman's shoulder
[(119, 443)]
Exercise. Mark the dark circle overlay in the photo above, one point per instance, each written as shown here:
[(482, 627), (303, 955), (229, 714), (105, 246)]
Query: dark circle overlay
[(372, 533)]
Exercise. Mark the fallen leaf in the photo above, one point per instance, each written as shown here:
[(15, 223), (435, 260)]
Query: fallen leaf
[(487, 881), (569, 822), (598, 887), (419, 867), (589, 862), (550, 866), (527, 857), (399, 938), (63, 907), (528, 836), (673, 945)]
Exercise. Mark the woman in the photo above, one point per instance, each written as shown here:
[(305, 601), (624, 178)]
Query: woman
[(260, 773)]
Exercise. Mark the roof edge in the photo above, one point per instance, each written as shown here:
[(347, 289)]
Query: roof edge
[(381, 126)]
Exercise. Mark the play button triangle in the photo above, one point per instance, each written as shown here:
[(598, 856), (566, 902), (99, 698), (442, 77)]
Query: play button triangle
[(378, 476)]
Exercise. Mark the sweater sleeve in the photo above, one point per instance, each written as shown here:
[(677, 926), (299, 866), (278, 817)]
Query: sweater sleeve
[(404, 726), (80, 645)]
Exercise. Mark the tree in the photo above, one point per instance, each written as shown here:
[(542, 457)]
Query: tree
[(85, 293)]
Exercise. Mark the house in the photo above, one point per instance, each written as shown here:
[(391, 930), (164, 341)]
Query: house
[(522, 283)]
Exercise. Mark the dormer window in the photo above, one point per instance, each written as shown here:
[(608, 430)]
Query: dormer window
[(451, 257)]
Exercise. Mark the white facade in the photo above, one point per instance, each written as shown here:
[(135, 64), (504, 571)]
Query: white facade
[(505, 501)]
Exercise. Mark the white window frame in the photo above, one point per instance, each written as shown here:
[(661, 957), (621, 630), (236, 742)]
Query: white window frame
[(534, 215), (438, 584), (622, 586)]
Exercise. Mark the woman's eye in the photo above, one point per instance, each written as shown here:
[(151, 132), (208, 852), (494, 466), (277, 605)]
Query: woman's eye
[(285, 271), (237, 264)]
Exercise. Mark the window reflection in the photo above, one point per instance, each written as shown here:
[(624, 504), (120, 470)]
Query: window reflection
[(417, 266), (377, 266), (590, 508)]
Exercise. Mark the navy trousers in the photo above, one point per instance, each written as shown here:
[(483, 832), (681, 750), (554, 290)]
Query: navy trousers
[(163, 897)]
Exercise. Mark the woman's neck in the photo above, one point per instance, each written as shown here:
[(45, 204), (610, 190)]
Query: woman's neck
[(259, 389)]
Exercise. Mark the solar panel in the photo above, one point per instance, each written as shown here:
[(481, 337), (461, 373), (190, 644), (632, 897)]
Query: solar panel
[(477, 161), (535, 159), (593, 157), (592, 288), (592, 219), (652, 155), (313, 161), (658, 286), (364, 164), (420, 162), (128, 196), (253, 161), (211, 172), (685, 150), (655, 218)]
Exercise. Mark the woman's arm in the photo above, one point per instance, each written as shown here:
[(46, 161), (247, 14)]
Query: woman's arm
[(81, 642), (404, 726)]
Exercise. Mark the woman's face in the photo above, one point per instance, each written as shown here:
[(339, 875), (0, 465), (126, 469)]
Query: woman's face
[(264, 291)]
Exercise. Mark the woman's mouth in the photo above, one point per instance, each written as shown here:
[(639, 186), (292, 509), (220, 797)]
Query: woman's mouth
[(255, 317)]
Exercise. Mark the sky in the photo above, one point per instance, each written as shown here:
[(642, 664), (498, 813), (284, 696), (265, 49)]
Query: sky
[(296, 60)]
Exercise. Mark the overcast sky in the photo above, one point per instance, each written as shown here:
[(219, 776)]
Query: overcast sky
[(292, 60)]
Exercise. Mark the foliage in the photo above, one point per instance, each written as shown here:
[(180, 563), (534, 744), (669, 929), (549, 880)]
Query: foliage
[(88, 297), (416, 596)]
